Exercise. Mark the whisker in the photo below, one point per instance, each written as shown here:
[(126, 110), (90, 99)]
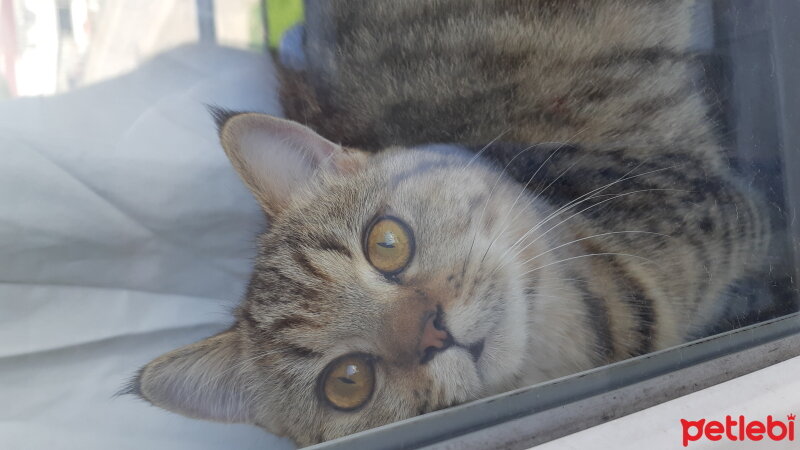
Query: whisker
[(588, 255), (522, 191), (505, 223), (580, 199), (536, 195), (486, 205), (591, 194), (592, 237), (577, 280), (478, 154), (580, 212)]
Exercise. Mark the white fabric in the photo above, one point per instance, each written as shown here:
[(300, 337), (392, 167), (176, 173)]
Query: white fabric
[(124, 233)]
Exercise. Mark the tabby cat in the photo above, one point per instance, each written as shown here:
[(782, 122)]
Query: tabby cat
[(494, 194)]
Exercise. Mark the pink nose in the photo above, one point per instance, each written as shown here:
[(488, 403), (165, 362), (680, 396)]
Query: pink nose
[(434, 338)]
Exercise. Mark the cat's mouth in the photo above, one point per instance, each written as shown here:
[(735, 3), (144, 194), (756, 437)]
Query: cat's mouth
[(443, 343), (476, 349)]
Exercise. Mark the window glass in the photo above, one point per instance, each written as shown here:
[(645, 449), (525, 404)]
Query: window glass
[(128, 233)]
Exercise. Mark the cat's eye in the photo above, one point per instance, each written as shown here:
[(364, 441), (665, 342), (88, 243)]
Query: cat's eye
[(389, 245), (347, 382)]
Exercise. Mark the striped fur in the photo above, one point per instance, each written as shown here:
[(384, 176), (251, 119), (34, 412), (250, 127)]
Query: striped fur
[(619, 239)]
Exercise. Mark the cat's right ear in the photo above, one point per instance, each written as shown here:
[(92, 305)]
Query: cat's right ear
[(275, 157)]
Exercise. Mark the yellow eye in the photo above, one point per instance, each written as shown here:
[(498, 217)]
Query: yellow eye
[(348, 382), (389, 245)]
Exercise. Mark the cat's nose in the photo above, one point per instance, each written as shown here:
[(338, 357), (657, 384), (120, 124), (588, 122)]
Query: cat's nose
[(435, 337)]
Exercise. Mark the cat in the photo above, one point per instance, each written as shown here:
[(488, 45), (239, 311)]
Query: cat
[(472, 197)]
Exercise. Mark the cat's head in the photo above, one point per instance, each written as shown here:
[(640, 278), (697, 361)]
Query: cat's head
[(386, 286)]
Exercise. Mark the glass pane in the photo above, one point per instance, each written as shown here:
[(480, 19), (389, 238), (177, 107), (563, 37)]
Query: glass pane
[(470, 198)]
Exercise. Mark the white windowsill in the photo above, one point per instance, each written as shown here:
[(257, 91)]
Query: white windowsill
[(772, 391)]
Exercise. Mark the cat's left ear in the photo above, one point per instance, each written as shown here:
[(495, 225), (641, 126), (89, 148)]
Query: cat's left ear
[(205, 380), (274, 157)]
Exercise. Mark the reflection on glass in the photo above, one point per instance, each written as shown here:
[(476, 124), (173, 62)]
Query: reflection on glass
[(565, 186)]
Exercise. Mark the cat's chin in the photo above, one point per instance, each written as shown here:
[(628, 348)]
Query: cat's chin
[(466, 372), (456, 377)]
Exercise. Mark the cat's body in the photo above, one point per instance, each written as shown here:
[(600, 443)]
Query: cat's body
[(618, 239), (610, 82)]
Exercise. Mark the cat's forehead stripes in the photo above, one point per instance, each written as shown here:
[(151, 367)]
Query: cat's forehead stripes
[(422, 169), (426, 162)]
